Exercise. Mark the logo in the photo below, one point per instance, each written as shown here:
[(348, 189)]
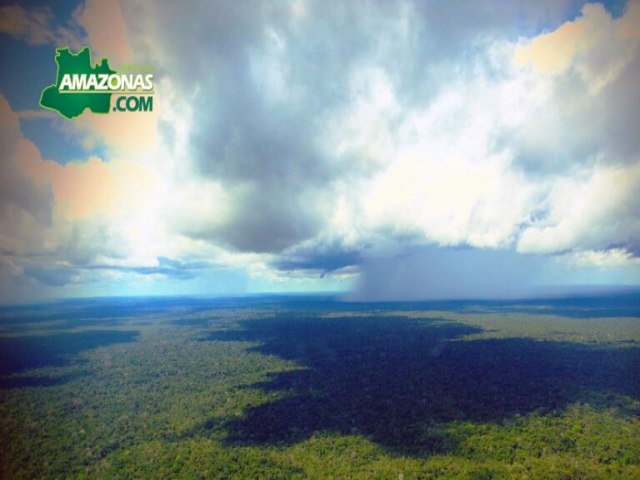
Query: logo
[(80, 86)]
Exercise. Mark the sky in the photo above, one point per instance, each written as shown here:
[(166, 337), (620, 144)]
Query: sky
[(383, 149)]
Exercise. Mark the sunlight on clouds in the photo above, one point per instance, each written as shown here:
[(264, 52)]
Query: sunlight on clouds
[(102, 20), (615, 257), (444, 180), (299, 8), (552, 52), (142, 234), (595, 44), (118, 201), (126, 135), (363, 132), (119, 133), (197, 206), (82, 190), (34, 26), (436, 197), (586, 212)]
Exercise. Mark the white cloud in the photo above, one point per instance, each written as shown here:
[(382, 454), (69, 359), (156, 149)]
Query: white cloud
[(615, 257), (35, 26), (596, 211)]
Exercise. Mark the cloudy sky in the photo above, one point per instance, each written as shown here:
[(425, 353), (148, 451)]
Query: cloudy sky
[(390, 149)]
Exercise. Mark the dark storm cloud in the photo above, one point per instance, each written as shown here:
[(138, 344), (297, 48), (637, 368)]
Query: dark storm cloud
[(267, 218), (321, 258), (58, 276), (169, 267), (51, 276), (264, 150)]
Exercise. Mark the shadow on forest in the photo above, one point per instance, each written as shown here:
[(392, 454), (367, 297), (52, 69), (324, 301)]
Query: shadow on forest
[(25, 352), (390, 379), (29, 381)]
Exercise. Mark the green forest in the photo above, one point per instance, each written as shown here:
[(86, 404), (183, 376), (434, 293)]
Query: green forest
[(292, 388)]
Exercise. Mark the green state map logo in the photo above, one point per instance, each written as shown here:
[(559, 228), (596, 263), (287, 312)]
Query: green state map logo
[(80, 86)]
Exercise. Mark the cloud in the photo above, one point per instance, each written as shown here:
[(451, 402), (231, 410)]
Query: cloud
[(272, 94), (589, 211), (60, 275), (36, 26), (51, 276), (102, 20), (81, 226), (165, 266), (320, 258), (57, 219), (614, 257), (32, 27), (414, 125), (586, 75), (26, 205), (98, 24), (83, 190)]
